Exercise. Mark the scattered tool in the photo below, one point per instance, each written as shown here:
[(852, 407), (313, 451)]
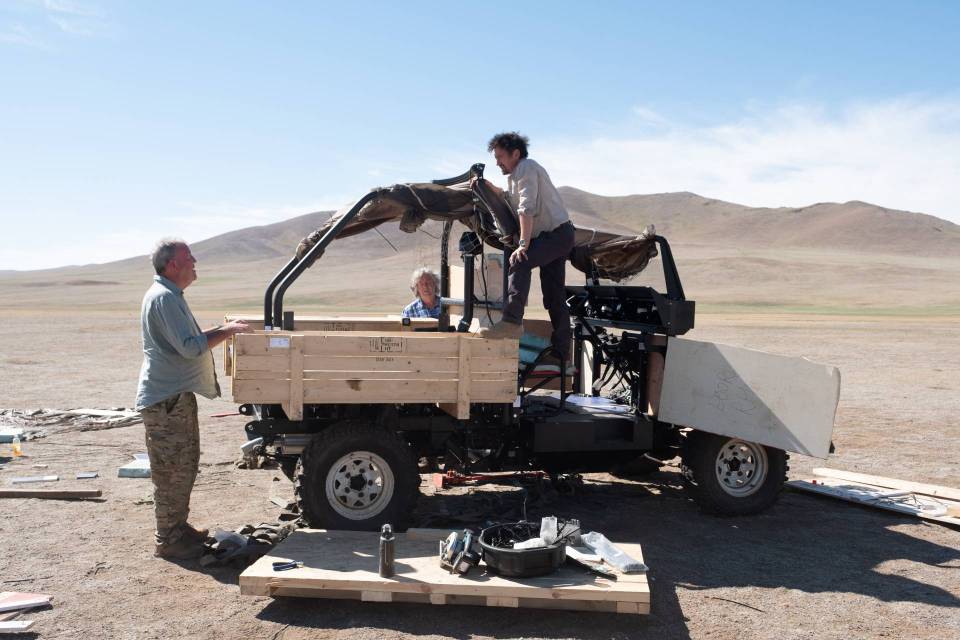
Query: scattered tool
[(454, 478), (460, 552), (286, 566), (593, 567), (86, 475)]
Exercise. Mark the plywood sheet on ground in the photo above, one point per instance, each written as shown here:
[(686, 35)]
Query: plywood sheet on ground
[(899, 500), (344, 565)]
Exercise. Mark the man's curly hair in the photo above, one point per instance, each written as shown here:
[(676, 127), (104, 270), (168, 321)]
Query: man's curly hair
[(508, 142)]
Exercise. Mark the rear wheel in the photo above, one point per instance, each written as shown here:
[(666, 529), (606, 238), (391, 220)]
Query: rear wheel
[(730, 476), (357, 477)]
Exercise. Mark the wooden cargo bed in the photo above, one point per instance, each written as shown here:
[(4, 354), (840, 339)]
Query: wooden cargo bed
[(293, 368)]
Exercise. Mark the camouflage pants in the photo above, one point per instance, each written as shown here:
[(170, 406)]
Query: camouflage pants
[(173, 444)]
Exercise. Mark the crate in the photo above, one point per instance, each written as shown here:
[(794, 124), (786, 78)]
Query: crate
[(332, 323), (381, 367)]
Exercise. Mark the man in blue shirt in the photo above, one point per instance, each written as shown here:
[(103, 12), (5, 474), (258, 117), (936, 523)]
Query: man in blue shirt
[(177, 362), (425, 284)]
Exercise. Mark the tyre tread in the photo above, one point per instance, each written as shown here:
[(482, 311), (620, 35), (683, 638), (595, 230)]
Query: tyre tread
[(407, 478)]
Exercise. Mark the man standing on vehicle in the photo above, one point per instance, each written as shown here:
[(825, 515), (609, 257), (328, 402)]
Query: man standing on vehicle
[(546, 239), (177, 362)]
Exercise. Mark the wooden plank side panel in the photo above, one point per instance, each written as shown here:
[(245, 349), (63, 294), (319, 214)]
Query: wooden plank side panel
[(277, 366), (352, 391), (371, 391), (361, 363), (353, 344), (345, 323), (463, 381), (227, 359), (485, 347), (372, 368), (294, 408)]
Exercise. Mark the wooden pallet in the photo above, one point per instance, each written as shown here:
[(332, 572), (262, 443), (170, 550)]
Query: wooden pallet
[(343, 565), (294, 368)]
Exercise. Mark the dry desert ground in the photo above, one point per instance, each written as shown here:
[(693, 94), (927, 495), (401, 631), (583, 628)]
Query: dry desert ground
[(808, 568)]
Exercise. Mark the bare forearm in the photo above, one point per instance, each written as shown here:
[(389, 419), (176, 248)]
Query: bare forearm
[(219, 333), (215, 336), (526, 228)]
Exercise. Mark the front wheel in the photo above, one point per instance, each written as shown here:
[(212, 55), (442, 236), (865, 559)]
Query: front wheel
[(730, 476), (357, 477)]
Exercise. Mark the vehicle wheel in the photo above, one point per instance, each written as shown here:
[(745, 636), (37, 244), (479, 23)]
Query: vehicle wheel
[(730, 476), (357, 477)]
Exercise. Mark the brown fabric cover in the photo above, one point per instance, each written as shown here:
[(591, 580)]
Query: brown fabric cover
[(607, 254)]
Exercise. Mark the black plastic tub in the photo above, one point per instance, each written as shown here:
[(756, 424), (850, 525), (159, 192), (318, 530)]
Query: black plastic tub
[(521, 563)]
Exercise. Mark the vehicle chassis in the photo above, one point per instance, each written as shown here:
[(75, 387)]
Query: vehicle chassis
[(355, 466)]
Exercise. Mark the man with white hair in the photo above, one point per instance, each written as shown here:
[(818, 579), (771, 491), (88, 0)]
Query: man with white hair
[(425, 284), (177, 363)]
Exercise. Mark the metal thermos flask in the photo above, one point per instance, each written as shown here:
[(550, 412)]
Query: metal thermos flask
[(386, 551)]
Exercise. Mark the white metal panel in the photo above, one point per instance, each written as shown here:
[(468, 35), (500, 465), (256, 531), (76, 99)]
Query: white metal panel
[(778, 401)]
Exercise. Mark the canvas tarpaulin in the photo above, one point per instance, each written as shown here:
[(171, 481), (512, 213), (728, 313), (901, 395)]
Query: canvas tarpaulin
[(596, 252)]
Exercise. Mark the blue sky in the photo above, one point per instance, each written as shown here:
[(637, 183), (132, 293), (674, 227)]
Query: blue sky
[(121, 122)]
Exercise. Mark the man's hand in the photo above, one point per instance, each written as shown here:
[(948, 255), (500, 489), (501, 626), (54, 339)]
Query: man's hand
[(488, 184), (518, 256), (235, 327), (218, 334)]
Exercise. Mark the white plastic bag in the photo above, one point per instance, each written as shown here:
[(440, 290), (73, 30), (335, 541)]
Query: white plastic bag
[(611, 554)]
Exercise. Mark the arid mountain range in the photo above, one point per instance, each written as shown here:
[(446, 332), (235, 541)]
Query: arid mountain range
[(853, 257)]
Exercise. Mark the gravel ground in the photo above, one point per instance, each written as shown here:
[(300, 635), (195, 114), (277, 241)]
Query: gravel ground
[(809, 567)]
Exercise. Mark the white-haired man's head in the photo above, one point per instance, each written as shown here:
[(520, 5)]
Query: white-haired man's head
[(425, 284)]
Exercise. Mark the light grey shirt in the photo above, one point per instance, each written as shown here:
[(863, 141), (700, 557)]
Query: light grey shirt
[(531, 193), (176, 357)]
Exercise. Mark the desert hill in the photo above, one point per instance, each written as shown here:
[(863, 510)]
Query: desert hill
[(858, 226), (853, 258)]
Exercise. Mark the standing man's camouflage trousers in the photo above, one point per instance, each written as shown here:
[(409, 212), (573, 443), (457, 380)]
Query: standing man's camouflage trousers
[(173, 443)]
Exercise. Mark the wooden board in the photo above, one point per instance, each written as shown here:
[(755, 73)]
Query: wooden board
[(343, 565), (787, 403), (344, 323), (892, 483), (329, 323), (450, 369), (14, 600), (898, 500), (51, 494), (16, 626)]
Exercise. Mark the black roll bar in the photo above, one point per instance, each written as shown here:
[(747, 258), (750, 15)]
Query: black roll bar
[(268, 296), (476, 171), (287, 279), (444, 321), (671, 278)]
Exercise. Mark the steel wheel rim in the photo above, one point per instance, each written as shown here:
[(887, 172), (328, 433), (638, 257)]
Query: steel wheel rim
[(741, 467), (359, 485)]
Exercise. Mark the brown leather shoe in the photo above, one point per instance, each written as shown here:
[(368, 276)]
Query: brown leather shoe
[(184, 548), (502, 330), (191, 532)]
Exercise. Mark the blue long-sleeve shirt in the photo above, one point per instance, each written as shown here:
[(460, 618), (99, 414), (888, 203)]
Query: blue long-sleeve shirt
[(176, 357)]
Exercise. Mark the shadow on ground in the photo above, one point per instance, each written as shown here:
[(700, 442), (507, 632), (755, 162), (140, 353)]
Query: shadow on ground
[(804, 543)]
